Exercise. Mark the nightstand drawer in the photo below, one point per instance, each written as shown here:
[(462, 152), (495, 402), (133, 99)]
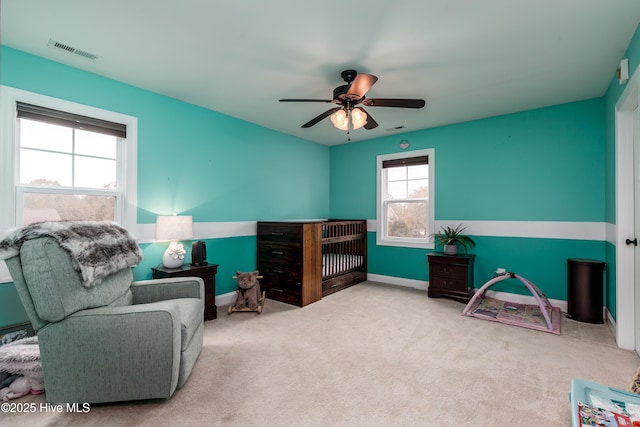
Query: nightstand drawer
[(448, 283), (449, 270)]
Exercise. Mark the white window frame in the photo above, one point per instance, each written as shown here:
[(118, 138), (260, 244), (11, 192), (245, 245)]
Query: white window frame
[(9, 192), (381, 221)]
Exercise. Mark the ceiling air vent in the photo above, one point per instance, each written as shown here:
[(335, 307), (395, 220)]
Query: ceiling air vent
[(71, 49), (394, 128)]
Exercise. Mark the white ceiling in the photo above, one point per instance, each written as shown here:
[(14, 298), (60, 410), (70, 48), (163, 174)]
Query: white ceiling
[(468, 58)]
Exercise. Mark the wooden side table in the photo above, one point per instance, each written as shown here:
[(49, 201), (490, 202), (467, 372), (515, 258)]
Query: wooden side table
[(205, 272), (451, 276)]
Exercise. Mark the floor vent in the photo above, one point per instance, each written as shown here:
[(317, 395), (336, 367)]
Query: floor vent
[(71, 49)]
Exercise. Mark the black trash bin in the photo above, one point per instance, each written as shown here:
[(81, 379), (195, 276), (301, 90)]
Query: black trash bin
[(585, 296)]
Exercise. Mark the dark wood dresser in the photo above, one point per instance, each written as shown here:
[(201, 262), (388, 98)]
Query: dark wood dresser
[(290, 260), (451, 276)]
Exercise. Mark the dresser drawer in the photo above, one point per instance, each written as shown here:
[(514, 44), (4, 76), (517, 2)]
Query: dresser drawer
[(281, 284), (279, 232), (284, 295), (280, 277), (449, 270), (279, 253)]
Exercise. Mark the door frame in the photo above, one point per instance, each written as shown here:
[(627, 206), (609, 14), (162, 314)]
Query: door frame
[(624, 166)]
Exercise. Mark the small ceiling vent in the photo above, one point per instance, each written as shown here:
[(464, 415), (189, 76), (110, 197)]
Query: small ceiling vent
[(394, 128), (70, 49)]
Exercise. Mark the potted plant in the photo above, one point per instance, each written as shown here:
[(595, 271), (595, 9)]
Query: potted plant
[(450, 237)]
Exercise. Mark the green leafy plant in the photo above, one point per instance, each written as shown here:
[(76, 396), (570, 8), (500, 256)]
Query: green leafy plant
[(452, 236)]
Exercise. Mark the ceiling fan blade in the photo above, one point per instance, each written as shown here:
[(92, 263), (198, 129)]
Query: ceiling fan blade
[(321, 117), (305, 100), (361, 85), (371, 123), (394, 102)]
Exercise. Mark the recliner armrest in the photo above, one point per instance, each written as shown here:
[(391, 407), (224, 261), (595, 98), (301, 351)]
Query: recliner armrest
[(112, 353), (146, 291)]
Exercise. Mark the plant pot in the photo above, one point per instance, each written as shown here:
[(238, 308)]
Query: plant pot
[(451, 249)]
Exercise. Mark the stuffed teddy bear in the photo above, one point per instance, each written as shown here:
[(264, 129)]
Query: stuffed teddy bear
[(248, 294), (22, 386)]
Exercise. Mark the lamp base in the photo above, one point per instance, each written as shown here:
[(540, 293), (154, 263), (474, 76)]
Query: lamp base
[(169, 261)]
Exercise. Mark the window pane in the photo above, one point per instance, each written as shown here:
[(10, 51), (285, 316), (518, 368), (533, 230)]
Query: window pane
[(45, 136), (407, 220), (56, 207), (44, 168), (397, 190), (418, 188), (95, 173), (418, 171), (95, 144), (394, 174)]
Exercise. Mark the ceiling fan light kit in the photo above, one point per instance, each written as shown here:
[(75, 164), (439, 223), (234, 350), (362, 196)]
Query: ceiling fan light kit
[(340, 119), (349, 96)]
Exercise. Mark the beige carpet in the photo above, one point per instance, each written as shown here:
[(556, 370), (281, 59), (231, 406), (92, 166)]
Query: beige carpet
[(373, 355)]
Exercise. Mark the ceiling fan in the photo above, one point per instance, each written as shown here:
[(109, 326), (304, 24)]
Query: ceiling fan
[(350, 97)]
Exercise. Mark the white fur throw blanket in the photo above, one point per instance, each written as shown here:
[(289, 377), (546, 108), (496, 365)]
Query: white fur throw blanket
[(21, 357), (97, 248)]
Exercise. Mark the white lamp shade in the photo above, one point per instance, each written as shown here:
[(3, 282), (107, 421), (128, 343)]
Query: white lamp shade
[(358, 118), (174, 227), (339, 119)]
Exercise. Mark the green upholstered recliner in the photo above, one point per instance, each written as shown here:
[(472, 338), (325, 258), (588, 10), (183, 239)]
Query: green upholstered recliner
[(117, 340)]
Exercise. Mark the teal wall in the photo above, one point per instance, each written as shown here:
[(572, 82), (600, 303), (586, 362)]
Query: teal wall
[(192, 161), (538, 165), (231, 254), (611, 98)]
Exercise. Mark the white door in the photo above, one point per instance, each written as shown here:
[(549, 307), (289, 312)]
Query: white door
[(636, 222), (627, 324)]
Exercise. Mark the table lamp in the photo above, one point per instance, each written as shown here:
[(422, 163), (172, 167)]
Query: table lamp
[(173, 228)]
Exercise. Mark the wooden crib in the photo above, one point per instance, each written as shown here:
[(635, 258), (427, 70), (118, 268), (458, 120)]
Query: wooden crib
[(344, 254), (303, 261)]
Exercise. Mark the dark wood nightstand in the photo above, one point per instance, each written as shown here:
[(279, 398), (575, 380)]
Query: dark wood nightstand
[(451, 276), (205, 272)]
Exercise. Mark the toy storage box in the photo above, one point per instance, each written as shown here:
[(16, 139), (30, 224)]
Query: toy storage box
[(594, 404)]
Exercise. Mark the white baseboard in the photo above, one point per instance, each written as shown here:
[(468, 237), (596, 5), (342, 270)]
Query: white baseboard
[(399, 281), (526, 299), (226, 299), (611, 322), (424, 285), (230, 297)]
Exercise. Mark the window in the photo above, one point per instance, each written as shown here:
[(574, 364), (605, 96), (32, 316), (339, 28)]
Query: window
[(67, 166), (63, 160), (405, 188)]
